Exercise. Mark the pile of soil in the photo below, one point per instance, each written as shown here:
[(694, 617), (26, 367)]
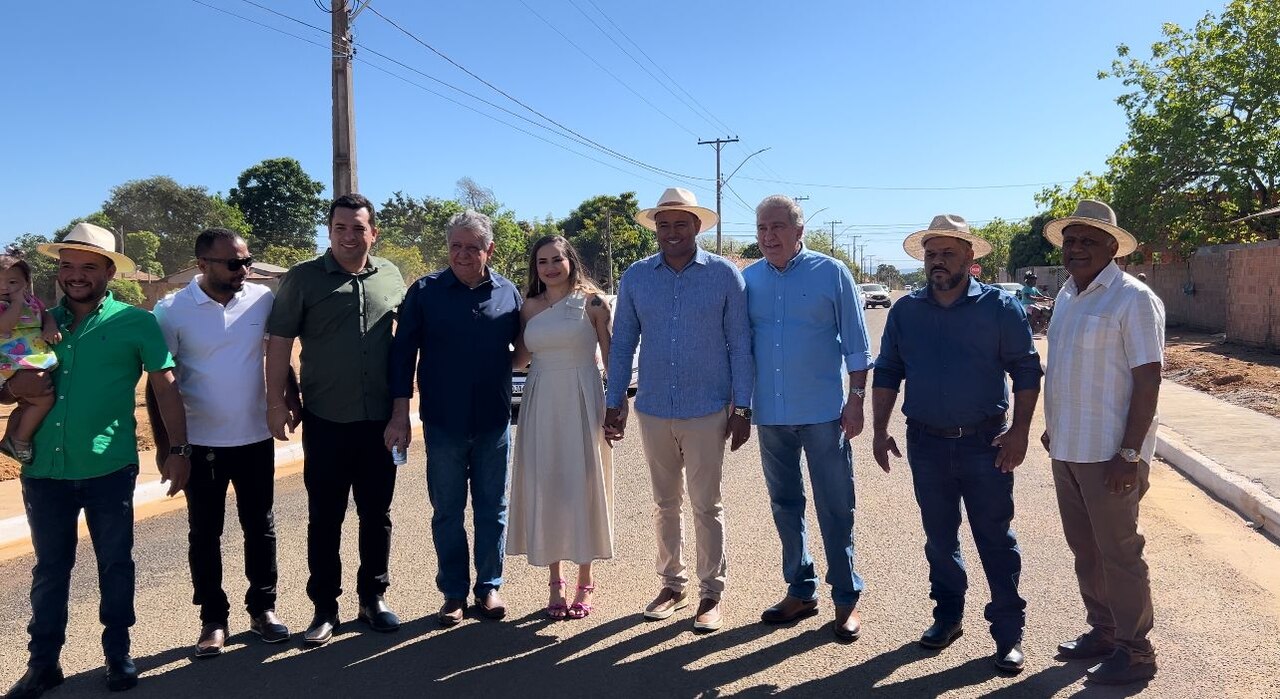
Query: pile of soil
[(1237, 374)]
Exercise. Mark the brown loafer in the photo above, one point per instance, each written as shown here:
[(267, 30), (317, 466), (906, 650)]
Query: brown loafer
[(667, 602), (789, 609), (491, 605), (848, 624), (708, 617), (451, 613), (213, 637)]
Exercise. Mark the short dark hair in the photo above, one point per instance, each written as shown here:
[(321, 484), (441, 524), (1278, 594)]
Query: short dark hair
[(355, 202), (210, 236), (12, 258)]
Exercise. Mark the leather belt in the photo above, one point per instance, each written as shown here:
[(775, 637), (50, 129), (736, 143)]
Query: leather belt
[(990, 423)]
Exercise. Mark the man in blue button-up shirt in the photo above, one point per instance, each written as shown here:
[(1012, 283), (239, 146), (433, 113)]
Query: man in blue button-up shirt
[(954, 341), (694, 389), (808, 333)]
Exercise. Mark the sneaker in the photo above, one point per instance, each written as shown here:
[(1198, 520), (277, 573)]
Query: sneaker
[(667, 602)]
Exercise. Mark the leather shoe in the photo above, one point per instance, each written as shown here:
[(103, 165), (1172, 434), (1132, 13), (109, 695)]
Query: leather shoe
[(122, 674), (1010, 659), (941, 634), (789, 609), (667, 602), (1120, 668), (269, 627), (321, 629), (212, 638), (491, 605), (1088, 645), (708, 617), (378, 615), (848, 624), (451, 613), (35, 682)]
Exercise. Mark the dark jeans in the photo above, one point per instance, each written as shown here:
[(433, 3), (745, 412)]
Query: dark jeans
[(53, 507), (251, 470), (453, 462), (946, 472), (345, 459)]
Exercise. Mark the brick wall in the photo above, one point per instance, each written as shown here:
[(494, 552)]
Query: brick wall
[(1253, 314), (1194, 291)]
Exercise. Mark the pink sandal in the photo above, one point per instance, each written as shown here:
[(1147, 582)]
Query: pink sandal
[(581, 610), (558, 610)]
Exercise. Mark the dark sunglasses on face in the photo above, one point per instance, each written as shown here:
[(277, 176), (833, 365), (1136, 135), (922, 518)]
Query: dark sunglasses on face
[(234, 264)]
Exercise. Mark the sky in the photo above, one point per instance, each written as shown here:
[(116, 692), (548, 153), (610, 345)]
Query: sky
[(883, 114)]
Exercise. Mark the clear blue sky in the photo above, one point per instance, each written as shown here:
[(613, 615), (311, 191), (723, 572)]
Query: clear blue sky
[(880, 94)]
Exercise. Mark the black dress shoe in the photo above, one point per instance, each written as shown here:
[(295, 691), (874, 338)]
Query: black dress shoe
[(1086, 646), (122, 674), (269, 627), (321, 629), (379, 616), (34, 683), (1010, 658), (1120, 668), (941, 634)]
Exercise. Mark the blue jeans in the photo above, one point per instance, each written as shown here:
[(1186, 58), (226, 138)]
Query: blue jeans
[(946, 472), (53, 507), (831, 475), (453, 461)]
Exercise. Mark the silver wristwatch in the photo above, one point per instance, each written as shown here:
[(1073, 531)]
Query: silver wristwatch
[(1130, 455), (859, 392)]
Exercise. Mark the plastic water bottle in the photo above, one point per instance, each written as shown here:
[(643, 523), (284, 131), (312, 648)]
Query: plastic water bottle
[(398, 457)]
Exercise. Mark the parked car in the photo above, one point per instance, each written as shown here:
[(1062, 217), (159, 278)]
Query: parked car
[(1011, 287), (875, 295)]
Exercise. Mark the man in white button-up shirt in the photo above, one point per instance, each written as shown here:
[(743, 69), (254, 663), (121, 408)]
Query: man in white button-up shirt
[(215, 329), (1106, 349)]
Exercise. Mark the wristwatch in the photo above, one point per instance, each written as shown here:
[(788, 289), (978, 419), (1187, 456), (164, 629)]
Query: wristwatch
[(183, 450), (742, 412), (1130, 455), (859, 392)]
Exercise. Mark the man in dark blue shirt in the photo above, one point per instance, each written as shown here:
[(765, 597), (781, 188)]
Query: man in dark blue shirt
[(954, 341), (458, 325)]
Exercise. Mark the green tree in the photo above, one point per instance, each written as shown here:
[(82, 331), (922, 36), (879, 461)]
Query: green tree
[(1029, 248), (889, 275), (607, 219), (407, 259), (127, 290), (141, 247), (820, 239), (751, 251), (1204, 130), (97, 218), (44, 270), (999, 233), (404, 221), (174, 213), (284, 256), (281, 203)]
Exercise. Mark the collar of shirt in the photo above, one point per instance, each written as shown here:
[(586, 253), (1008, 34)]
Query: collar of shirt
[(1105, 278), (450, 279), (332, 266), (699, 258), (107, 301), (792, 262), (199, 295), (973, 291)]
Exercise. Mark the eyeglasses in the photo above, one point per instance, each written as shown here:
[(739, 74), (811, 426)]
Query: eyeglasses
[(234, 264)]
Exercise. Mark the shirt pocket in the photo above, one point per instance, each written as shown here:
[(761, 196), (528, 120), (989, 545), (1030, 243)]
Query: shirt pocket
[(1097, 332)]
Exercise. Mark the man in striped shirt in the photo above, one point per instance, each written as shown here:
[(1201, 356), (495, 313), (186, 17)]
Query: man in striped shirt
[(1106, 347)]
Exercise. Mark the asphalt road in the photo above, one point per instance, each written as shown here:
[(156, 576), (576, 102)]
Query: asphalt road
[(1217, 604)]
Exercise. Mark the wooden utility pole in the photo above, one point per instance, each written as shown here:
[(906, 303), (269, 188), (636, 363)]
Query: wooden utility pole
[(608, 247), (719, 144), (833, 225), (344, 117)]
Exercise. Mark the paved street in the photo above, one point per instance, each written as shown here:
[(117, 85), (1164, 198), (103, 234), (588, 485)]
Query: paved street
[(1217, 603)]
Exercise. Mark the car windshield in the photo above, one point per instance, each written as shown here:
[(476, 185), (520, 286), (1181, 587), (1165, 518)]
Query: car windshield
[(872, 287)]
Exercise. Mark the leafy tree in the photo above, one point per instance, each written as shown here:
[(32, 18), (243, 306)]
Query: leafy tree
[(128, 291), (141, 247), (916, 278), (283, 256), (751, 251), (404, 221), (820, 239), (888, 274), (473, 196), (281, 203), (44, 270), (97, 218), (1029, 248), (1058, 202), (999, 233), (173, 212), (1204, 130), (603, 219), (407, 259)]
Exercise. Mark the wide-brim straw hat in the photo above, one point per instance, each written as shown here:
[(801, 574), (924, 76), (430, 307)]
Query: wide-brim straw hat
[(678, 199), (91, 238), (945, 226), (1095, 214)]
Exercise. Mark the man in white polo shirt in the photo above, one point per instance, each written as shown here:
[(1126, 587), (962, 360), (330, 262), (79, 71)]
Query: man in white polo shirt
[(1106, 348), (215, 328)]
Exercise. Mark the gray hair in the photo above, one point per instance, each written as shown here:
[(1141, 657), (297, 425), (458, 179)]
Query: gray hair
[(782, 201), (471, 220)]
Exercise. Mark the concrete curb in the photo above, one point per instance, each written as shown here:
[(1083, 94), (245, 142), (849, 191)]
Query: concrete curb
[(1243, 495)]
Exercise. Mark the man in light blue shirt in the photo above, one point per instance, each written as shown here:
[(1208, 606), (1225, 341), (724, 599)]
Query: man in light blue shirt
[(694, 390), (808, 332)]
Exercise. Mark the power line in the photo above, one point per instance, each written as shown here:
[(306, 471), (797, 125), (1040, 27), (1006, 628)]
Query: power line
[(875, 188)]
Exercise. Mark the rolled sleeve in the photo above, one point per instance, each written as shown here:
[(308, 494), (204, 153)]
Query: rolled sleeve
[(404, 345), (889, 369), (1017, 349), (737, 324), (854, 343), (622, 346), (1142, 325)]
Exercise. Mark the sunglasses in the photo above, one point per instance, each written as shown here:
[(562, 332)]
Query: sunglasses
[(234, 264)]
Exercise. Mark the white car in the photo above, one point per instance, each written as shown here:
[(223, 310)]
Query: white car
[(875, 295)]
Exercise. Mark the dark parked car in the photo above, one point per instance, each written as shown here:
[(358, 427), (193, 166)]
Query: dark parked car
[(875, 295)]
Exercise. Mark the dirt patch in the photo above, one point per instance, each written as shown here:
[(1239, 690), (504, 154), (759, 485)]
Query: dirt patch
[(1237, 374)]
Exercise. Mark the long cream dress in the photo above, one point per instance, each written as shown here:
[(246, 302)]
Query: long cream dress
[(562, 480)]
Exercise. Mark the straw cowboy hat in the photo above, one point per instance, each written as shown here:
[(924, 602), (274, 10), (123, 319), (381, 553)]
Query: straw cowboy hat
[(677, 199), (945, 226), (91, 238), (1094, 214)]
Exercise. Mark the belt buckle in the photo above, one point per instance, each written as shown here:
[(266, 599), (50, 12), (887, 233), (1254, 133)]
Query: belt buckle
[(952, 433)]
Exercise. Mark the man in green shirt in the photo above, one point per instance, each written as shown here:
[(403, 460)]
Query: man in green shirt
[(341, 306), (86, 454)]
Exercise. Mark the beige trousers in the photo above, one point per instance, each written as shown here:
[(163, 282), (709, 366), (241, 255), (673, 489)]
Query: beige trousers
[(1103, 532), (678, 451)]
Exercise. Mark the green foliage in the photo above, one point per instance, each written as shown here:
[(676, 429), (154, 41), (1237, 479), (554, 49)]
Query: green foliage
[(97, 218), (1029, 248), (889, 276), (1058, 202), (283, 256), (602, 219), (173, 212), (281, 203), (1000, 234), (127, 290), (1204, 130), (407, 259), (141, 247), (820, 239), (44, 269), (419, 223), (915, 278), (751, 251)]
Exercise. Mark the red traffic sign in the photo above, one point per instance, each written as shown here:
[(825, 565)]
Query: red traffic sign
[(975, 269)]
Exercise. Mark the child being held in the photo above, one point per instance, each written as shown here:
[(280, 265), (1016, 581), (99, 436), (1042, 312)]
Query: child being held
[(27, 334)]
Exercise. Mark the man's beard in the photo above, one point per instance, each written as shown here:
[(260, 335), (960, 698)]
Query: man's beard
[(949, 283)]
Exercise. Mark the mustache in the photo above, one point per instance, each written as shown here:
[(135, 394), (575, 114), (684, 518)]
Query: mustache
[(937, 269)]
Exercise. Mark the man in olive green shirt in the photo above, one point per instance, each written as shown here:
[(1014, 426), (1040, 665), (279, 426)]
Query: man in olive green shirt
[(86, 454), (341, 306)]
